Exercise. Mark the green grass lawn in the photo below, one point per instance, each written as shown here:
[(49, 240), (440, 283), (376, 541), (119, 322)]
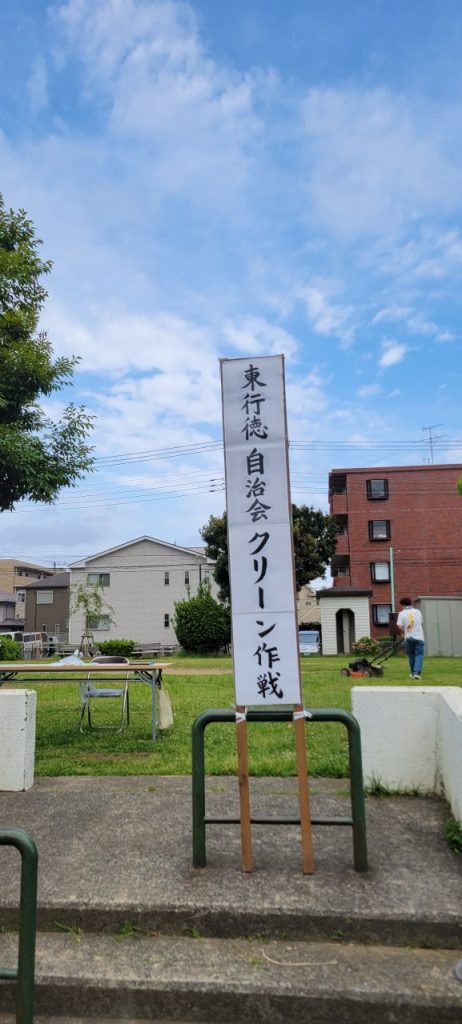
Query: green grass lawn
[(62, 750)]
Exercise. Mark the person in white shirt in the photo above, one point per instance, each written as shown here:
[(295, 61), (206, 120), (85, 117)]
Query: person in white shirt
[(410, 624)]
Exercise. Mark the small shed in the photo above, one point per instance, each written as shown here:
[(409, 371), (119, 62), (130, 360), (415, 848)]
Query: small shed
[(344, 618), (442, 622)]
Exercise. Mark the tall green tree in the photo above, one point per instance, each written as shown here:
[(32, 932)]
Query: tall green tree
[(201, 624), (38, 456), (315, 537)]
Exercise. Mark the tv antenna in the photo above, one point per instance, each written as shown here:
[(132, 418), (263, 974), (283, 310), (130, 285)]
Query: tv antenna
[(432, 438)]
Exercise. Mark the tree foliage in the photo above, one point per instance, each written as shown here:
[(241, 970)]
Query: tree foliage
[(122, 648), (215, 534), (37, 455), (315, 539), (10, 650), (201, 624), (314, 544), (89, 598)]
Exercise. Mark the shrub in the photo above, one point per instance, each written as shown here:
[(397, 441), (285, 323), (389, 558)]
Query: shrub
[(123, 648), (202, 625), (387, 642), (10, 650), (367, 646)]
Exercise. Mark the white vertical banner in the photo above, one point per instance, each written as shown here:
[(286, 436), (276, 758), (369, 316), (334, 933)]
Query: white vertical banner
[(263, 605)]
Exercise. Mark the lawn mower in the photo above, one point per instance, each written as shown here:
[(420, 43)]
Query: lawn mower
[(363, 667)]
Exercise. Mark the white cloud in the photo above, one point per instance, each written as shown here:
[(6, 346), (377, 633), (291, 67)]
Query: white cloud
[(393, 352), (415, 321), (368, 390), (326, 316), (37, 86), (256, 336), (145, 62), (377, 161)]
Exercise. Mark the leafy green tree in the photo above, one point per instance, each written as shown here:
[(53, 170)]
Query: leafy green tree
[(315, 540), (201, 624), (459, 485), (315, 537), (89, 598), (10, 650), (215, 534), (37, 455)]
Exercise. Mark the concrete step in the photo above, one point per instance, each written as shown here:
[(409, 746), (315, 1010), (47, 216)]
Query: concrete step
[(163, 978), (366, 924)]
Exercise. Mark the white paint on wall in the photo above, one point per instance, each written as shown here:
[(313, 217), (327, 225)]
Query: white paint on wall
[(138, 592), (17, 739), (330, 605), (411, 738)]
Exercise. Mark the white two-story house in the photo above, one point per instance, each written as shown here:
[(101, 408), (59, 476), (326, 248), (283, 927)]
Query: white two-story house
[(141, 581)]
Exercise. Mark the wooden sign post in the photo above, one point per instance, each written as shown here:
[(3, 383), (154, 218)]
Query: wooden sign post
[(266, 660)]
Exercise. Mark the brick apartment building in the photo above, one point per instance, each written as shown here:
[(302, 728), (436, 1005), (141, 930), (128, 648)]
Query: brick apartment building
[(400, 534)]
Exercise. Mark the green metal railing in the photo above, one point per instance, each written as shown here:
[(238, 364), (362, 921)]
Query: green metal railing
[(24, 973), (357, 821)]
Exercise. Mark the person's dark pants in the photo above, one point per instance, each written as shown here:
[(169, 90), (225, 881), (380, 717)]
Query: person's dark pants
[(415, 653)]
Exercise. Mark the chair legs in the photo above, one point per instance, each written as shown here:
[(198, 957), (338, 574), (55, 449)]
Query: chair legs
[(124, 715)]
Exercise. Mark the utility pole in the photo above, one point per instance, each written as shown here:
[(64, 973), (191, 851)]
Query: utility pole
[(392, 580), (432, 438)]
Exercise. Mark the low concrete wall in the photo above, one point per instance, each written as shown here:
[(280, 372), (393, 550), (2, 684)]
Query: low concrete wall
[(450, 748), (17, 739), (411, 738)]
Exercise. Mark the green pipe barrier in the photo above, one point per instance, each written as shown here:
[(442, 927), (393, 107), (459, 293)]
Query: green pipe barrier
[(24, 974), (357, 821)]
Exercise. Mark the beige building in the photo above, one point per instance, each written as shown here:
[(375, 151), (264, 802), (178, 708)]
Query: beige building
[(15, 574), (308, 609), (141, 580)]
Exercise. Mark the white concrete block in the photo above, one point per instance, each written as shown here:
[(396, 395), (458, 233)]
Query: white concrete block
[(411, 738), (450, 748), (17, 739)]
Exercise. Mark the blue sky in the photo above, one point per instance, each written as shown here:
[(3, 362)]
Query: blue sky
[(223, 179)]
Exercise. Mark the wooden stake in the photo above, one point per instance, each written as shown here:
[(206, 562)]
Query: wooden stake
[(244, 797), (303, 794)]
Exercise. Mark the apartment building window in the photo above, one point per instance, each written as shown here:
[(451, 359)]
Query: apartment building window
[(379, 529), (337, 483), (99, 579), (377, 490), (380, 572), (166, 578), (380, 614), (340, 566), (166, 620), (186, 577), (342, 525), (99, 622)]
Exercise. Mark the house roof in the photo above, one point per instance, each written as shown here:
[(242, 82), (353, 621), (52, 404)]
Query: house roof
[(380, 471), (59, 580), (7, 598), (119, 547), (343, 592)]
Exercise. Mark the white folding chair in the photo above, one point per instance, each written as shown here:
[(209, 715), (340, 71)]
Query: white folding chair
[(89, 692)]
